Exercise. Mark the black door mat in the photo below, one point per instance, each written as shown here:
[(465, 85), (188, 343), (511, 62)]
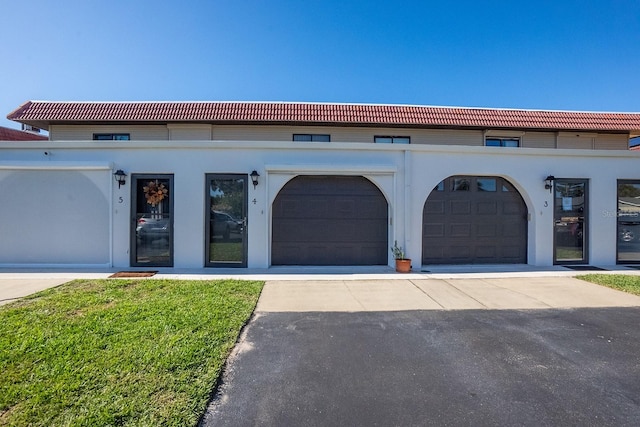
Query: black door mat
[(584, 268), (637, 267), (124, 274)]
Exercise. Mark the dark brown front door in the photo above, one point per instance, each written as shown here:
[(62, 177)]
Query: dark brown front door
[(474, 220), (330, 220)]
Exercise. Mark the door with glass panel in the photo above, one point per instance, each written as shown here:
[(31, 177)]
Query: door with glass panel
[(628, 232), (226, 220), (570, 221), (152, 221)]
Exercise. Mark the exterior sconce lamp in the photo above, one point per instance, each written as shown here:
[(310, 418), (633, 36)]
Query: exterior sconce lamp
[(254, 178), (548, 182), (120, 177)]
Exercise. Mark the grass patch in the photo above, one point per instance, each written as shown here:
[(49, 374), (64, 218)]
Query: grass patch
[(568, 254), (118, 352), (225, 251), (622, 282)]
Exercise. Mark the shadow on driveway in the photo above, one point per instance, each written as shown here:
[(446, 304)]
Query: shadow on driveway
[(460, 368)]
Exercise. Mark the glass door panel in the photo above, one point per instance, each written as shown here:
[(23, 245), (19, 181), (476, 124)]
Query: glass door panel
[(152, 225), (226, 220), (629, 222), (570, 214)]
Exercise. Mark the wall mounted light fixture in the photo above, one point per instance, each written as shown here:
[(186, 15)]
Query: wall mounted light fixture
[(548, 182), (254, 178), (120, 177)]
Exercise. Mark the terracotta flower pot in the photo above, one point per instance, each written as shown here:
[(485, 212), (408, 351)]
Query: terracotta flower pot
[(403, 265)]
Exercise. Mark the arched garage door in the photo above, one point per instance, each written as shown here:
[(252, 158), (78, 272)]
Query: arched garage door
[(474, 220), (329, 220)]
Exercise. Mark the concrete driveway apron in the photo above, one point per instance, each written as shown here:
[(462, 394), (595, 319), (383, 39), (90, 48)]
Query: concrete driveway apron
[(536, 351), (12, 289)]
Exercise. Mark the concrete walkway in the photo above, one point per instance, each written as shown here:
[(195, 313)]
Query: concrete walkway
[(439, 294), (353, 289), (16, 288)]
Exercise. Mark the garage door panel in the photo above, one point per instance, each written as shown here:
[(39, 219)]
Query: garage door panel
[(460, 230), (334, 220), (434, 207), (317, 252), (355, 230), (475, 225), (512, 208), (487, 252), (460, 207), (310, 254), (434, 253), (291, 252), (293, 231), (487, 208), (433, 230), (513, 252), (344, 208), (373, 209), (486, 230), (459, 252), (512, 229)]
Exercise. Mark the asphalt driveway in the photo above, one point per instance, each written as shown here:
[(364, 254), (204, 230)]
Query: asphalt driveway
[(535, 366)]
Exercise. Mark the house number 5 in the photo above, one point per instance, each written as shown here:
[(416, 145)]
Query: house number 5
[(120, 200)]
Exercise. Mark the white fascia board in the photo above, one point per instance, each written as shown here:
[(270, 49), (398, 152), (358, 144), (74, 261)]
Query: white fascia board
[(322, 146), (30, 267), (17, 165), (320, 169)]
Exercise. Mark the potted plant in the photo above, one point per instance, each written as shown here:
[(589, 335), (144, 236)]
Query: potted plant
[(403, 264)]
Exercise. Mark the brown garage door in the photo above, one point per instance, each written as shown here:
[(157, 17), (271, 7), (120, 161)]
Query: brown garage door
[(474, 220), (329, 220)]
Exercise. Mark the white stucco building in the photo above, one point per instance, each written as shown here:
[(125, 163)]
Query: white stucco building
[(335, 184)]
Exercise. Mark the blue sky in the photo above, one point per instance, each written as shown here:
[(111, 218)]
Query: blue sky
[(559, 55)]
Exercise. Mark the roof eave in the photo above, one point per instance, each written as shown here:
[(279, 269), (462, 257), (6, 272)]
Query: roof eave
[(45, 125)]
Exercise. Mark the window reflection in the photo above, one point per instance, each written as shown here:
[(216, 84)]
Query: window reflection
[(153, 226), (570, 217), (486, 184), (226, 217), (628, 221), (461, 184)]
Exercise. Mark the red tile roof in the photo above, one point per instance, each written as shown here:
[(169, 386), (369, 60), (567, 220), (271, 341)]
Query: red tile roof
[(44, 113), (8, 134)]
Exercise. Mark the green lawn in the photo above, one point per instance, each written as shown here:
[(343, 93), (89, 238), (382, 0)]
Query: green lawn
[(118, 352), (621, 282), (225, 251)]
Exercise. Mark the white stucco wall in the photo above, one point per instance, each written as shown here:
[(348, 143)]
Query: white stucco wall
[(56, 213), (405, 174)]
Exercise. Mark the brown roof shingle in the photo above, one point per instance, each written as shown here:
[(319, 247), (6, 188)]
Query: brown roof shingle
[(8, 134), (44, 113)]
